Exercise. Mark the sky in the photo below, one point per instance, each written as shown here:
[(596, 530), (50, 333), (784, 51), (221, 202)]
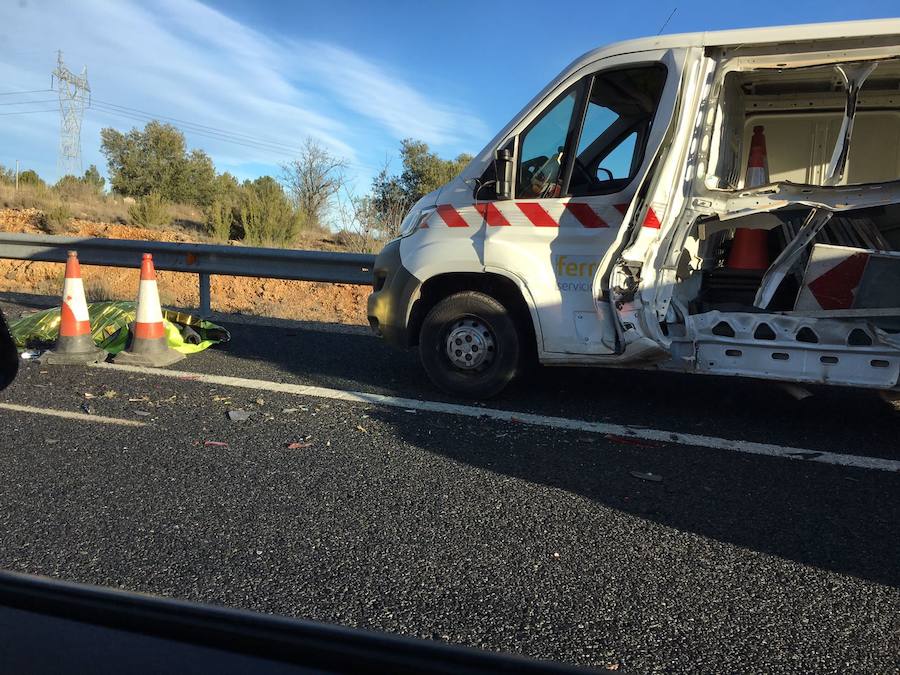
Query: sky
[(248, 81)]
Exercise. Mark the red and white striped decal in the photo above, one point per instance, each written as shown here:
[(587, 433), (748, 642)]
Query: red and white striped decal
[(553, 214), (832, 277), (492, 215), (451, 216), (536, 214)]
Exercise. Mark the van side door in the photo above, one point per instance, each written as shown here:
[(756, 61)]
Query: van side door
[(579, 158)]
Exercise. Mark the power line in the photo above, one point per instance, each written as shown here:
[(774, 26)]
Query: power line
[(32, 91), (46, 100), (225, 136), (192, 124), (227, 139), (29, 112), (199, 128)]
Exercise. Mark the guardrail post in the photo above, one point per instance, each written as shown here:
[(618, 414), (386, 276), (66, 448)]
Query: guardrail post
[(205, 309)]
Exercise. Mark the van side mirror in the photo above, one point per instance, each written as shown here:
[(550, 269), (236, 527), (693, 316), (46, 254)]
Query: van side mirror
[(503, 168)]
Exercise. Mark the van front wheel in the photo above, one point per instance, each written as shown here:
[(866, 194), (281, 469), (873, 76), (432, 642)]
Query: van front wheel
[(469, 345)]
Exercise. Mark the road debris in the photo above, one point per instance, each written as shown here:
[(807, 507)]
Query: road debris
[(239, 415), (142, 413), (88, 408), (30, 354), (88, 394), (362, 429), (217, 444), (652, 477), (628, 440), (795, 391), (298, 446), (110, 393)]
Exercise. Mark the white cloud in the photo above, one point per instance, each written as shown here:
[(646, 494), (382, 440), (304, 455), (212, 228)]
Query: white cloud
[(375, 92), (184, 60)]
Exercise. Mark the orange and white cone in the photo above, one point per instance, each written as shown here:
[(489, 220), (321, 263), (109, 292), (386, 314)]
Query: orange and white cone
[(750, 248), (147, 343), (74, 344)]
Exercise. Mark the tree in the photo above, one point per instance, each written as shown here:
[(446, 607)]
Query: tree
[(389, 204), (93, 179), (197, 184), (74, 189), (223, 213), (156, 160), (313, 180), (7, 176), (266, 213), (30, 177), (424, 171)]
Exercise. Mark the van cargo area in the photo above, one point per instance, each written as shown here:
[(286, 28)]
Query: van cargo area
[(817, 298)]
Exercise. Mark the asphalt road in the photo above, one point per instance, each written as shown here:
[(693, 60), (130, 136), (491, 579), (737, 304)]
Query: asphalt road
[(475, 531)]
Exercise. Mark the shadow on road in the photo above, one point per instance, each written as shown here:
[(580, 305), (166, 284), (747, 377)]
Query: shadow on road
[(834, 518), (827, 517)]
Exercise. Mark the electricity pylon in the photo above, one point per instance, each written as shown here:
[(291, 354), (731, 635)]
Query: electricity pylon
[(74, 97)]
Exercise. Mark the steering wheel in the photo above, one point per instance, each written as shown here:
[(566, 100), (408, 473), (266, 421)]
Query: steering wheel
[(585, 175)]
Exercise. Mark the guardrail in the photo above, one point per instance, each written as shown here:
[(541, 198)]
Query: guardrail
[(201, 259)]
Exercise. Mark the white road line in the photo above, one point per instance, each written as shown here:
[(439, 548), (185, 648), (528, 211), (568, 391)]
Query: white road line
[(634, 432), (69, 415)]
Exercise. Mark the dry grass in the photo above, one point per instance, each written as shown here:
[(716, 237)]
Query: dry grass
[(59, 207), (79, 201), (98, 289), (85, 204)]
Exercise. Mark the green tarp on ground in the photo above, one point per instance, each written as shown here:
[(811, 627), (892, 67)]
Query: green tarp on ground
[(109, 328)]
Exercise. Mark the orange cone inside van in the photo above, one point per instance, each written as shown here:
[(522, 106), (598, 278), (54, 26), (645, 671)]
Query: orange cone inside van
[(74, 344), (147, 343), (750, 248)]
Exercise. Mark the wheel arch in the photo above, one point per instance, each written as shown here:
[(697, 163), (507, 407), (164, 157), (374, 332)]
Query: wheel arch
[(507, 289)]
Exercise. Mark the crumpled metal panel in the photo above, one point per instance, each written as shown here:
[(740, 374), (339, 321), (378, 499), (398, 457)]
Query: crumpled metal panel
[(767, 346)]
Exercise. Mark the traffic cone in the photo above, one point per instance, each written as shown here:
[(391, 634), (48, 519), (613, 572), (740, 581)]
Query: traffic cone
[(147, 343), (750, 247), (74, 344)]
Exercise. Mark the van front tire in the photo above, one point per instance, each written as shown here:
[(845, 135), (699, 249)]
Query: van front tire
[(469, 345)]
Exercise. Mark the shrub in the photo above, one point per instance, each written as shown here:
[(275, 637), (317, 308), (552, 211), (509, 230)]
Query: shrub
[(219, 219), (30, 177), (266, 214), (76, 191), (150, 211), (55, 219), (98, 289)]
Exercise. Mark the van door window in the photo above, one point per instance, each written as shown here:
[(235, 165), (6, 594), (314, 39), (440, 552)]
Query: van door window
[(617, 123), (542, 148)]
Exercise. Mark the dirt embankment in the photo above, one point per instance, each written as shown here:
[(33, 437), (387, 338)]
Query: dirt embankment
[(300, 300)]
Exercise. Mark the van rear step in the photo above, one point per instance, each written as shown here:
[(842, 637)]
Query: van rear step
[(797, 349)]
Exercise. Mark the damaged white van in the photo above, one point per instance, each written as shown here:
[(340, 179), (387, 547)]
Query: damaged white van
[(724, 203)]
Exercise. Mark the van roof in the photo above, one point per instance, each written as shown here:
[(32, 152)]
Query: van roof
[(752, 36)]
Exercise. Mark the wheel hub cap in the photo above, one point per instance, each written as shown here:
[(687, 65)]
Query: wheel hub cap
[(470, 344)]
